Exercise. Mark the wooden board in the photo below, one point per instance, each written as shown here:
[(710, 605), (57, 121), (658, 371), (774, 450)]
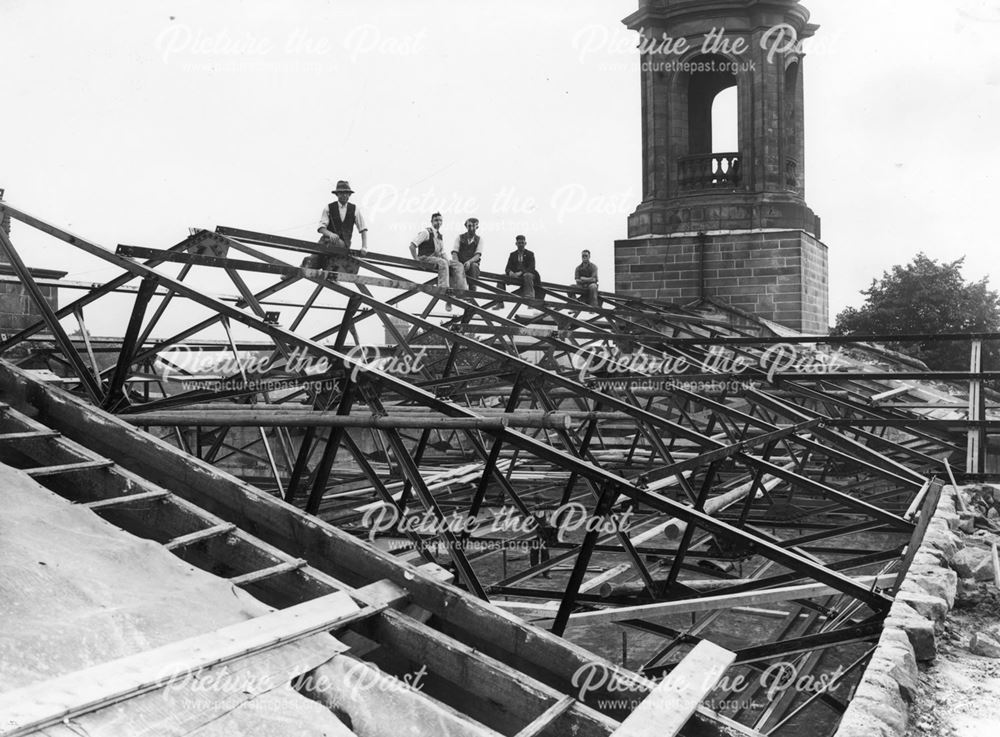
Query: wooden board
[(927, 509), (727, 601), (381, 705), (673, 702), (49, 702), (515, 695), (209, 697), (544, 720), (601, 578)]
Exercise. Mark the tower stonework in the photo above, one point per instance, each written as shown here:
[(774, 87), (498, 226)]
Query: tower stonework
[(728, 225), (17, 310)]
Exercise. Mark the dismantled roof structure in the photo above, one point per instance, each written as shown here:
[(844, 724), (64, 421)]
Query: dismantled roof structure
[(513, 493)]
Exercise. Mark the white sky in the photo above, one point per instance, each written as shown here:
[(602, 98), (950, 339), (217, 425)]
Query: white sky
[(129, 122)]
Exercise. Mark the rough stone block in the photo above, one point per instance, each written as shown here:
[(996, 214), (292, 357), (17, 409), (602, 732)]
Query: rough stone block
[(896, 648), (939, 525), (877, 709), (974, 563), (934, 580), (949, 501), (942, 542), (924, 604), (984, 645), (967, 522), (948, 516), (970, 594), (919, 630), (929, 558)]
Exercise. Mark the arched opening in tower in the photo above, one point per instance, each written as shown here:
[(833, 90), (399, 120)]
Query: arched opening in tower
[(712, 94), (725, 121), (792, 125), (712, 115)]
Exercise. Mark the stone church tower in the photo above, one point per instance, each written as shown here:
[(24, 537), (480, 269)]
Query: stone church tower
[(726, 225), (17, 309)]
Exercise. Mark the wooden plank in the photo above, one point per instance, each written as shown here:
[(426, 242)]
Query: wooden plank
[(513, 693), (545, 607), (118, 501), (604, 577), (959, 500), (668, 481), (276, 570), (211, 696), (878, 398), (378, 703), (67, 468), (11, 437), (382, 594), (50, 702), (674, 529), (190, 539), (644, 537), (49, 376), (540, 723), (973, 446), (437, 572), (927, 510), (727, 601), (673, 702), (917, 502)]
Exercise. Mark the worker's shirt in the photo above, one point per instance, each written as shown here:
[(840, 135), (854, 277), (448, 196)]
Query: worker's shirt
[(585, 271), (359, 220), (462, 244), (423, 238)]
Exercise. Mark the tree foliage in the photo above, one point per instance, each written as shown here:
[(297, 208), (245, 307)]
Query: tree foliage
[(927, 297)]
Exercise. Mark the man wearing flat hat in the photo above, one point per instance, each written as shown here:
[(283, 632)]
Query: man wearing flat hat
[(336, 228), (341, 218)]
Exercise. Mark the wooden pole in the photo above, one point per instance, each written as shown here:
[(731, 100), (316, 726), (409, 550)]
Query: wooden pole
[(725, 601), (996, 566), (974, 448), (631, 588), (674, 529)]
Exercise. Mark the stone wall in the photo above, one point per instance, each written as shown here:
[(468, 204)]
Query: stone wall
[(17, 310), (881, 702), (777, 275), (4, 220)]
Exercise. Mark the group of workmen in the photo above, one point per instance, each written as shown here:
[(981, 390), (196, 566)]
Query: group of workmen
[(342, 218)]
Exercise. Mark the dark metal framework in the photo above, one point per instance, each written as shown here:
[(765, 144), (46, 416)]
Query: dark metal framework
[(771, 484)]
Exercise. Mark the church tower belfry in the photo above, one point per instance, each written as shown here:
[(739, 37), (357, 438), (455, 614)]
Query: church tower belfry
[(728, 222)]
